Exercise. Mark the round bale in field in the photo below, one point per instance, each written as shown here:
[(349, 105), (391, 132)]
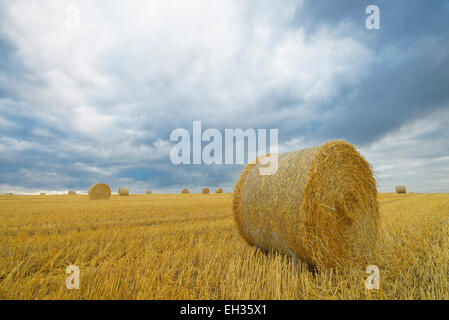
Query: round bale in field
[(401, 189), (206, 191), (99, 191), (149, 192), (320, 206), (123, 191), (219, 190), (185, 191)]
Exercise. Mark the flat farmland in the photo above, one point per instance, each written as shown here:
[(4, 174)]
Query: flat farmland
[(186, 246)]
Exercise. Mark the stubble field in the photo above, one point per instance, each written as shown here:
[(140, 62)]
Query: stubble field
[(186, 247)]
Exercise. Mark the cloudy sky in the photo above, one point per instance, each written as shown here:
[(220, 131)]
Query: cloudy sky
[(97, 101)]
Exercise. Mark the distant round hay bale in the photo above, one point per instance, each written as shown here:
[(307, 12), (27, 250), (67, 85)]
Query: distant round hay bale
[(99, 191), (401, 189), (320, 206), (43, 194), (123, 191), (219, 190), (149, 192), (206, 191), (185, 191), (72, 192)]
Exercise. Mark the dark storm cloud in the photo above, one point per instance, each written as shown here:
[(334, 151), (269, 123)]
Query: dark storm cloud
[(409, 75), (394, 93)]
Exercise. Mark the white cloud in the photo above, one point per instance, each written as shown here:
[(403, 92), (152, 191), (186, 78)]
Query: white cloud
[(132, 64), (88, 120), (222, 55)]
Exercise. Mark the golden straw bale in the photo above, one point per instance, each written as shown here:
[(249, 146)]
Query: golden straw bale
[(206, 191), (149, 192), (185, 191), (401, 189), (320, 206), (99, 191), (219, 190), (123, 191)]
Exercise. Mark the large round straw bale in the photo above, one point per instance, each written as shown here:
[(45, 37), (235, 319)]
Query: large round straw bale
[(149, 192), (320, 206), (185, 191), (99, 191), (206, 191), (219, 190), (401, 189), (123, 191), (72, 192)]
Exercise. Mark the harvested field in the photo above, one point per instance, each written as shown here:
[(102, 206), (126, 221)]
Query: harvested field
[(188, 247)]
